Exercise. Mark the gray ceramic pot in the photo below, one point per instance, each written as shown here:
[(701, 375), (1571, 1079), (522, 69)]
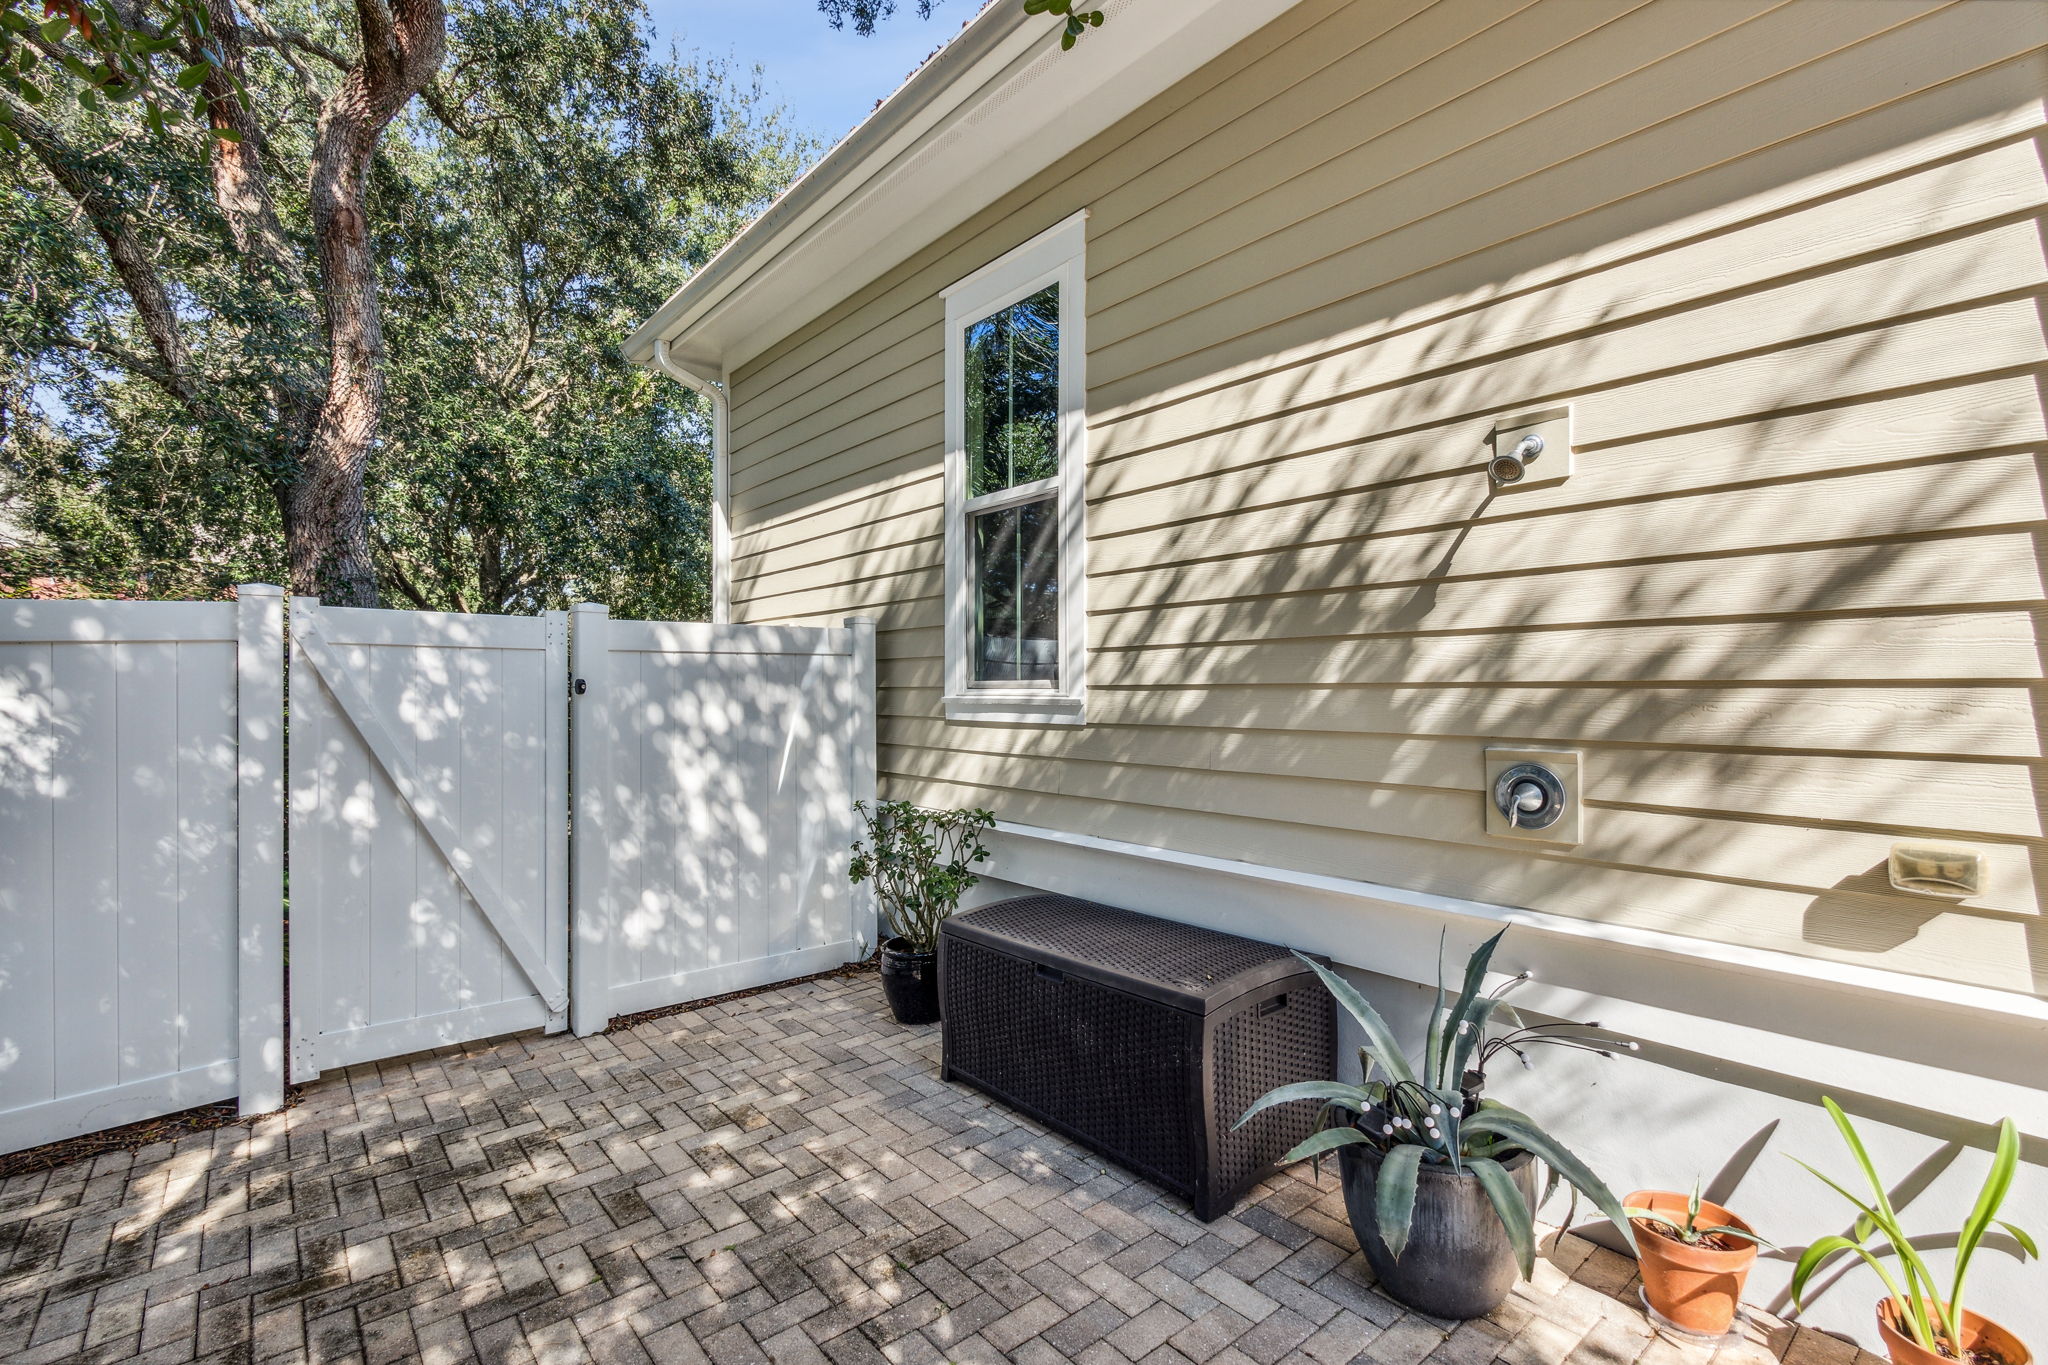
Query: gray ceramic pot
[(1458, 1262)]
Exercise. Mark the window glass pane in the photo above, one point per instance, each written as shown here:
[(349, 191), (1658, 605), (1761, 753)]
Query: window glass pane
[(1013, 394), (1017, 594)]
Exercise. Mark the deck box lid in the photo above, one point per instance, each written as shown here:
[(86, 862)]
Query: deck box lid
[(1180, 965)]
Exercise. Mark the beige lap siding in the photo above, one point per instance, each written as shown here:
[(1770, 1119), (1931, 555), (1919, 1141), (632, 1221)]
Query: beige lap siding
[(1787, 262)]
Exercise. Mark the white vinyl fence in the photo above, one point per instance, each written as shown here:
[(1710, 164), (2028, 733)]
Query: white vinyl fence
[(716, 769), (144, 835), (429, 836), (141, 860)]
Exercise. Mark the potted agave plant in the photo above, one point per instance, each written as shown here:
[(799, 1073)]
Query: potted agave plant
[(1694, 1257), (1440, 1182), (1919, 1325), (921, 862)]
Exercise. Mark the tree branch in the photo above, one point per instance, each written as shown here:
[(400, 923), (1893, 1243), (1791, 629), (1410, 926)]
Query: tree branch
[(132, 264)]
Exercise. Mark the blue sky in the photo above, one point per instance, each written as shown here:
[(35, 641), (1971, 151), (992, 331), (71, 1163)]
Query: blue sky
[(828, 79)]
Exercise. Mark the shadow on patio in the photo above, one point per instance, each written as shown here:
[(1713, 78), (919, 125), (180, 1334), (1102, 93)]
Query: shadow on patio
[(777, 1177)]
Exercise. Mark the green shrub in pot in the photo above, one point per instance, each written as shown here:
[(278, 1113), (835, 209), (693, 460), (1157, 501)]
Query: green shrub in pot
[(1440, 1181), (920, 863), (1919, 1323)]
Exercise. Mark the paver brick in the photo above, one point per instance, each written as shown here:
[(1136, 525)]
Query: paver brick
[(778, 1178)]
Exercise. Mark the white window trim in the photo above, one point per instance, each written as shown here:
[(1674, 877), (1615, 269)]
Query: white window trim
[(1053, 256)]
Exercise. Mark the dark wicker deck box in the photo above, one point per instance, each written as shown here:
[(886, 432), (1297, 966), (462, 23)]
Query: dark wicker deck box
[(1141, 1037)]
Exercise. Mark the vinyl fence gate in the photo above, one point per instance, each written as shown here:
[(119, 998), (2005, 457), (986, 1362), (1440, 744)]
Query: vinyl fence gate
[(492, 823)]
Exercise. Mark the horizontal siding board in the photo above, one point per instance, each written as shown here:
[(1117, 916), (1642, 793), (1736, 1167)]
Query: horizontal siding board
[(1606, 371), (1461, 263), (1957, 418), (903, 455), (1844, 926), (1991, 800), (1786, 263), (1502, 81), (1807, 98), (1970, 568), (1925, 722), (1794, 858), (1999, 184)]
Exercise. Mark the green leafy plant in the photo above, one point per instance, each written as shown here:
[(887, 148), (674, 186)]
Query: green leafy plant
[(1434, 1114), (1691, 1232), (1918, 1309), (921, 862), (1078, 21), (108, 53)]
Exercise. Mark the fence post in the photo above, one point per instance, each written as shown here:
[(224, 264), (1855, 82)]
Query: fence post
[(590, 766), (861, 770), (259, 843)]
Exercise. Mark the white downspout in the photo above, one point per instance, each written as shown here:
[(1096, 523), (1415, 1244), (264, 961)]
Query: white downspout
[(721, 526)]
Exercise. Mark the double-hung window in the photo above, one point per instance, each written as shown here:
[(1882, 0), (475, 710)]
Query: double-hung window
[(1015, 451)]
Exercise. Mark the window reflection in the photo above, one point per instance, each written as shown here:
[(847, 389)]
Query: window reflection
[(1013, 394), (1017, 630)]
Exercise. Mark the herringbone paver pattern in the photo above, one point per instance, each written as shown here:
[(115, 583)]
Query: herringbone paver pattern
[(780, 1178)]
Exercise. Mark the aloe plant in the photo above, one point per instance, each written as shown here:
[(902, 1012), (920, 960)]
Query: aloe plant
[(1434, 1115), (1919, 1310)]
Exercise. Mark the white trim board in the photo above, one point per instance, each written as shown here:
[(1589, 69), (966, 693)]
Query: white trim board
[(1056, 256), (1973, 1050)]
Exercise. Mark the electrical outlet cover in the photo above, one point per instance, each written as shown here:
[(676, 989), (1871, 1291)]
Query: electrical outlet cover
[(1569, 827), (1554, 425)]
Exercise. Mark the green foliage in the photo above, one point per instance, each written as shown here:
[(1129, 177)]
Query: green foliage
[(1690, 1230), (1919, 1309), (1433, 1115), (1077, 22), (100, 57), (865, 14), (921, 862), (557, 181)]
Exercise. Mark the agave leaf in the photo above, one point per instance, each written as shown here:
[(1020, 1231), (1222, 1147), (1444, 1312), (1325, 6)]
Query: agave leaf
[(1522, 1130), (1351, 1096), (1315, 1144), (1393, 1196), (1461, 1012), (1380, 1039), (1464, 1045), (1433, 1045), (1728, 1231), (1513, 1210)]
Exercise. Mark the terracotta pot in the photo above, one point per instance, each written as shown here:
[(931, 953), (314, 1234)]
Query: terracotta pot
[(1694, 1288), (1979, 1334)]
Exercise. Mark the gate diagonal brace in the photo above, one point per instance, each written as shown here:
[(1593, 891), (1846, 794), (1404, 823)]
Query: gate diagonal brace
[(470, 874)]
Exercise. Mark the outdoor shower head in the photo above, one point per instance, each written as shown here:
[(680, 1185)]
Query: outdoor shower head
[(1509, 468)]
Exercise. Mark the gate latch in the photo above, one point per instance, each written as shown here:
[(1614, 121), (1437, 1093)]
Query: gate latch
[(579, 687)]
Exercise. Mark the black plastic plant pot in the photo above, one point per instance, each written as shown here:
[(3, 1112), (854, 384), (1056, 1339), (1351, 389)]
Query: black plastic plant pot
[(1458, 1262), (911, 981)]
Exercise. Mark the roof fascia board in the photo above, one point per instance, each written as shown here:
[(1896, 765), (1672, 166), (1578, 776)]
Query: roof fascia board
[(1013, 106), (982, 50)]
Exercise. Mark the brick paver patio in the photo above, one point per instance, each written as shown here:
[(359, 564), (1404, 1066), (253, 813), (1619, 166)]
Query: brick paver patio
[(782, 1177)]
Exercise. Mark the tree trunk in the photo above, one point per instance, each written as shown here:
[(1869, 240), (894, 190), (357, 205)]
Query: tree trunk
[(327, 532)]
